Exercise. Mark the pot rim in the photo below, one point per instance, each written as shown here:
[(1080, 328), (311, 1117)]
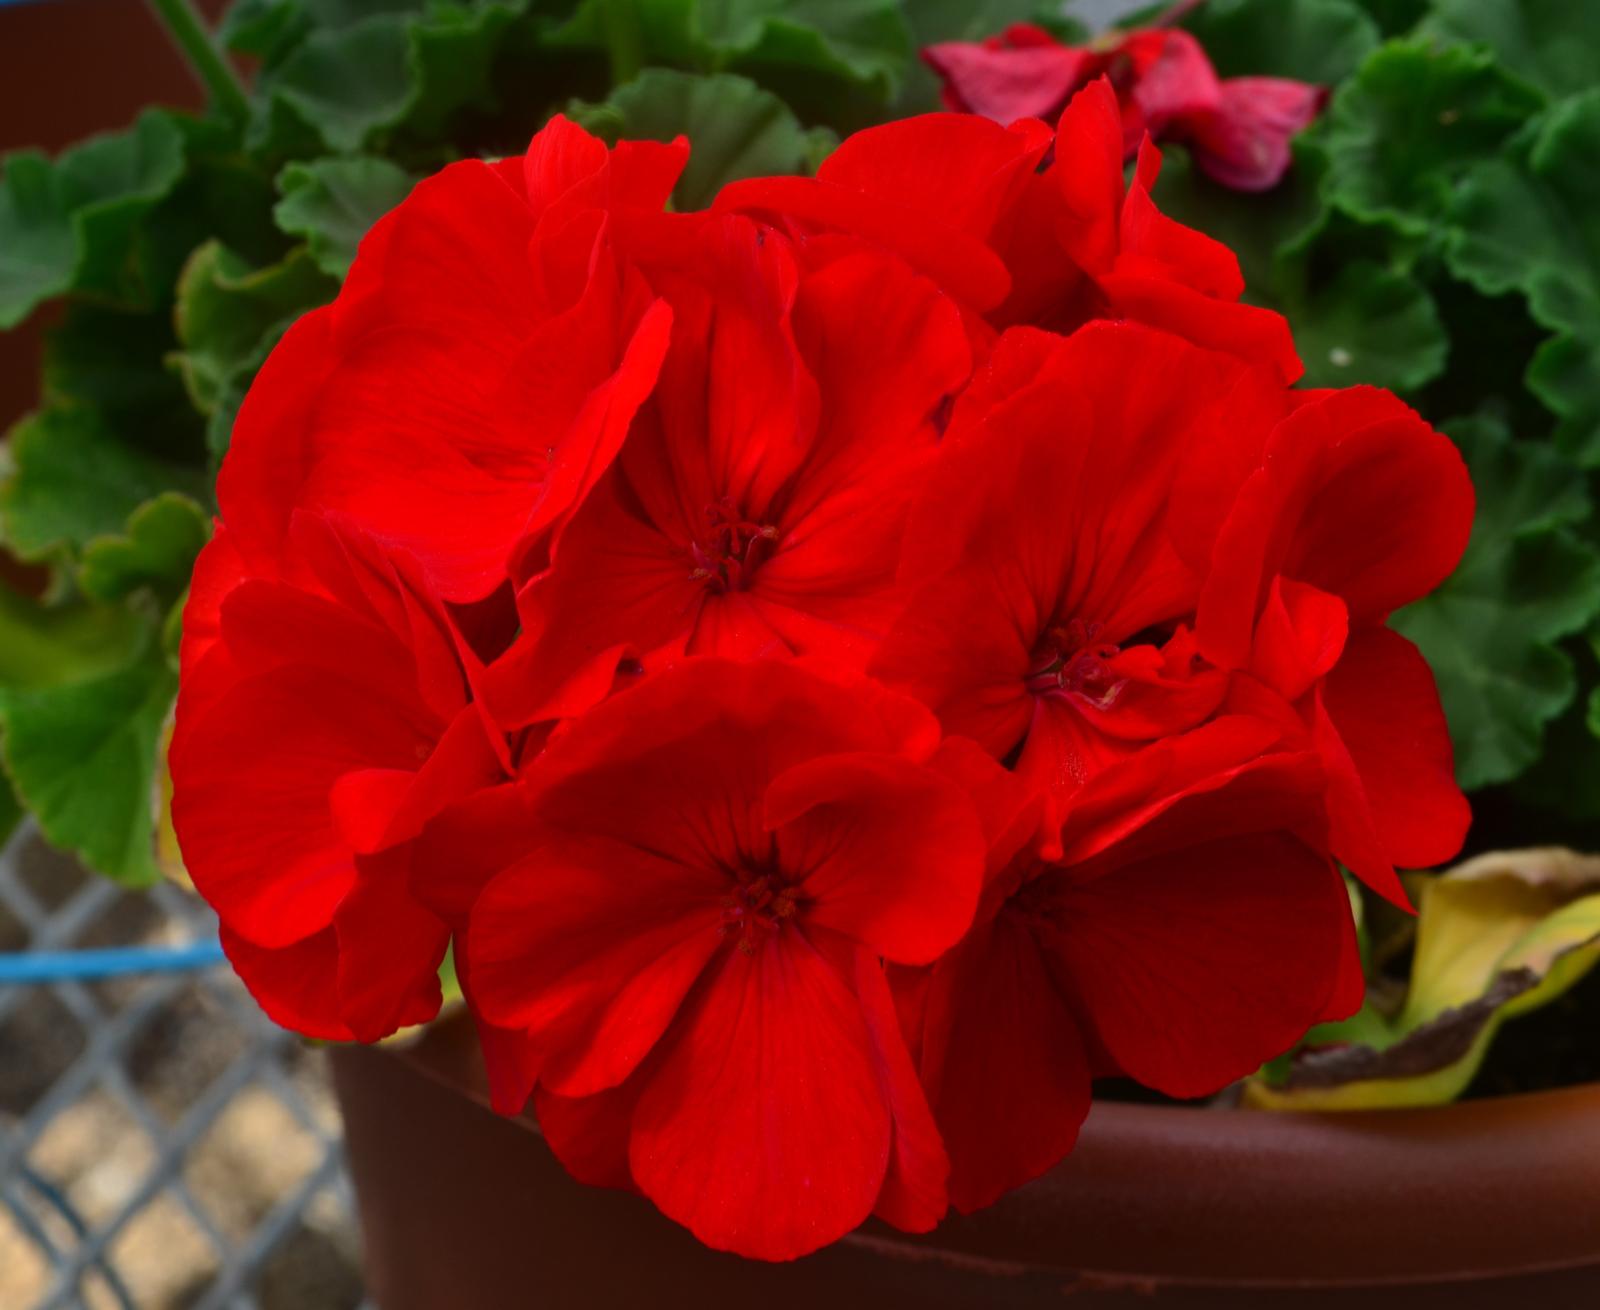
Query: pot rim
[(1163, 1194)]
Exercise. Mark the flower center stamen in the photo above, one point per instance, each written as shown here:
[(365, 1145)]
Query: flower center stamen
[(731, 548), (758, 908), (1072, 660)]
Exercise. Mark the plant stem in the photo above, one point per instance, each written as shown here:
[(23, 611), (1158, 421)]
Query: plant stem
[(624, 39), (194, 40)]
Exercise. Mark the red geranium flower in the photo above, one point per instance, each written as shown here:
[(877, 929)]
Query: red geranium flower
[(478, 371), (856, 663), (1125, 533), (323, 718), (966, 202), (1179, 930), (712, 865), (758, 504), (1239, 128), (1047, 605)]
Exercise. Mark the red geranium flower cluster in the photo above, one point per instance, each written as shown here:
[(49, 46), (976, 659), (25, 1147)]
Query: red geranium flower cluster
[(1239, 128), (843, 669)]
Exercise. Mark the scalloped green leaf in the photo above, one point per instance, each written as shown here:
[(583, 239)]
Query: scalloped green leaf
[(228, 313), (44, 645), (71, 225), (82, 754), (71, 480), (735, 129), (1528, 222), (863, 43), (1321, 41), (971, 20), (343, 75), (333, 203), (114, 362), (1552, 44), (1371, 325), (1526, 581), (1261, 228), (156, 553), (1413, 119), (1395, 17)]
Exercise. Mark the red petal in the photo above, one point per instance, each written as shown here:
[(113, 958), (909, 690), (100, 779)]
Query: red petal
[(1197, 966), (591, 946), (390, 949), (295, 984), (1381, 702), (1003, 1063), (764, 1129), (914, 1196), (275, 869), (1217, 778), (1356, 495), (589, 1134), (887, 852), (1244, 141), (1173, 78), (1008, 84), (1299, 637), (1086, 177)]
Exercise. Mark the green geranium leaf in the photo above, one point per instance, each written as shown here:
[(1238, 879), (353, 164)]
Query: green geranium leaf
[(228, 312), (971, 20), (1370, 325), (344, 74), (71, 480), (862, 43), (1353, 319), (1404, 129), (1527, 580), (735, 129), (1395, 17), (1321, 41), (82, 755), (1496, 937), (71, 225), (333, 203), (865, 40), (113, 361), (1528, 222), (1261, 228), (44, 645), (1553, 44), (38, 249), (1565, 376), (156, 552)]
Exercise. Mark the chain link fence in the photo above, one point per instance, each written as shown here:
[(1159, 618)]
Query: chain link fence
[(162, 1143)]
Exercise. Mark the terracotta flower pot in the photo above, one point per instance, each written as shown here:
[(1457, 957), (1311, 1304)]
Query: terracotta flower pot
[(1488, 1203)]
